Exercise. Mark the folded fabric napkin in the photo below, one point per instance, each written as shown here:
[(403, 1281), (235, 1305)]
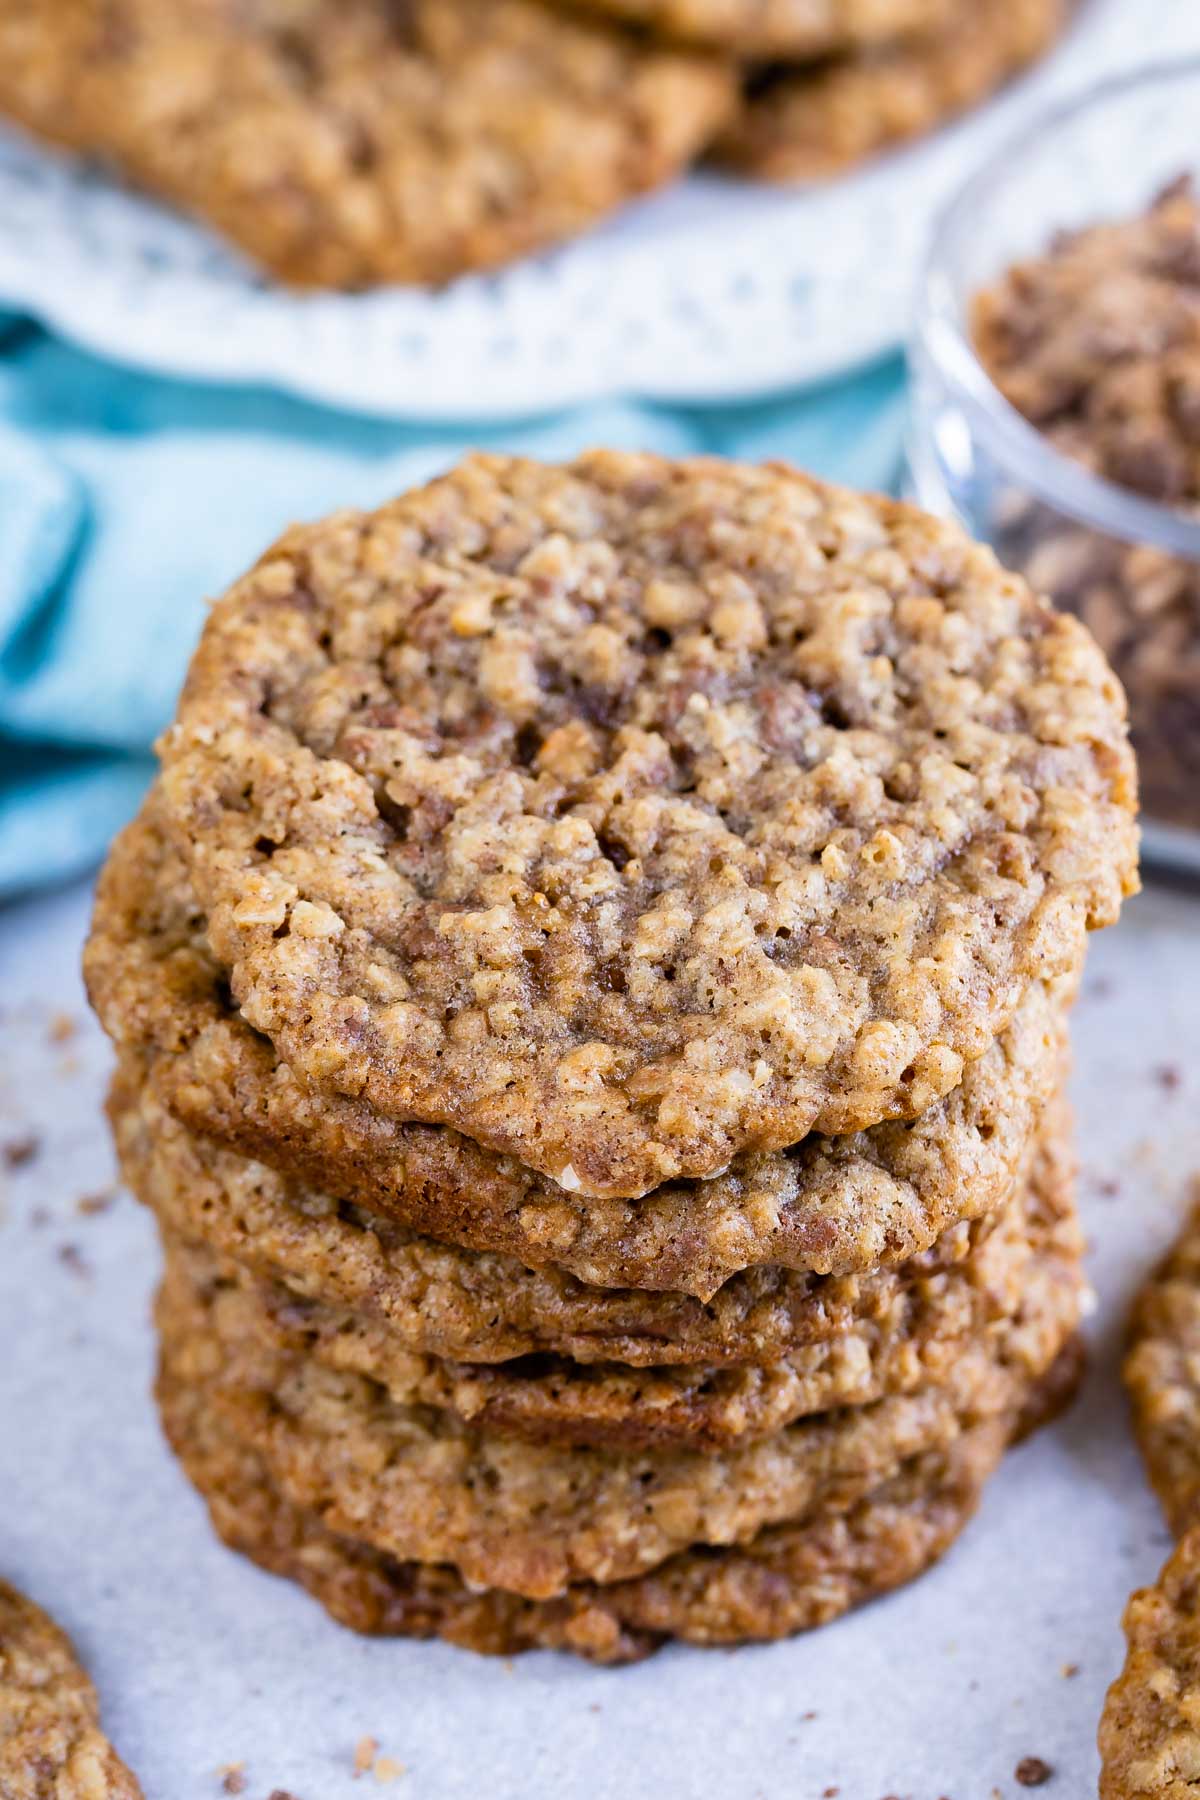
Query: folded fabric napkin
[(127, 501)]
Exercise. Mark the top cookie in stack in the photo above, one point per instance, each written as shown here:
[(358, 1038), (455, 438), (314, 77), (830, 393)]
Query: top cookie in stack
[(669, 877), (630, 817)]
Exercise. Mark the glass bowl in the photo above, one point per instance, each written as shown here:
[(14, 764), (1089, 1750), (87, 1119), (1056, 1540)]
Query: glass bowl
[(1128, 565)]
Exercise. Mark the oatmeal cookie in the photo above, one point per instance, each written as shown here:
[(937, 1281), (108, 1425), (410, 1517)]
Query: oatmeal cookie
[(790, 1578), (881, 1196), (1162, 1373), (801, 124), (1002, 1298), (51, 1744), (345, 143), (421, 1485), (476, 1306), (632, 814), (781, 28), (1150, 1729)]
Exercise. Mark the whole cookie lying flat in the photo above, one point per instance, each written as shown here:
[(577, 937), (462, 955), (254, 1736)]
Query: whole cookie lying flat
[(437, 1299), (800, 124), (1162, 1374), (635, 813), (1150, 1729), (1025, 1271), (876, 1197), (344, 143), (51, 1745), (532, 1518), (795, 28), (790, 1578)]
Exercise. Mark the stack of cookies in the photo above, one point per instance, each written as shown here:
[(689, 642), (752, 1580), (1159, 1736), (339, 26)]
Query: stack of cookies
[(590, 991), (345, 143)]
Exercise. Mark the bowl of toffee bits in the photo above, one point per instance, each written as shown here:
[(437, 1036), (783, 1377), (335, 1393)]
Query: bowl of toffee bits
[(1056, 397)]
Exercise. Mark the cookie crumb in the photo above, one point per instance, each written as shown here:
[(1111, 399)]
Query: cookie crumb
[(1031, 1771), (1168, 1077), (20, 1151), (91, 1204), (233, 1778), (280, 1794), (365, 1752), (1069, 1671), (388, 1769), (831, 1793), (72, 1257), (62, 1028)]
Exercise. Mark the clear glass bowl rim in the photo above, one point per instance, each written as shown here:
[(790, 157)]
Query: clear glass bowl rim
[(1015, 444)]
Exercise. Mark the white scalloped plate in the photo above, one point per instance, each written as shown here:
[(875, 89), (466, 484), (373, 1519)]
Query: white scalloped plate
[(714, 291)]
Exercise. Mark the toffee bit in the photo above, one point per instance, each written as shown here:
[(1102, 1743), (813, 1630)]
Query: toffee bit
[(233, 1778), (1031, 1771)]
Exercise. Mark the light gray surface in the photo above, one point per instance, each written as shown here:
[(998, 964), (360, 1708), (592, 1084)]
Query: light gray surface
[(202, 1661)]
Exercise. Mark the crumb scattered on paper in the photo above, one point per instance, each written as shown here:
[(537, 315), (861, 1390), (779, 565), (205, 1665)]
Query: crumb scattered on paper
[(19, 1151), (1031, 1771)]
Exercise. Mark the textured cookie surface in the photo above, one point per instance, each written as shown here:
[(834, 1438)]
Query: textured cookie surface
[(796, 28), (1150, 1730), (789, 1578), (422, 1485), (910, 1340), (439, 1299), (1162, 1374), (635, 813), (346, 142), (876, 1197), (800, 124), (51, 1745)]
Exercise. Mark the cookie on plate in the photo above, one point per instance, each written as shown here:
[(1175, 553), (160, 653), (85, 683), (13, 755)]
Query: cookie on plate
[(51, 1744), (344, 143), (806, 123), (633, 814), (752, 29)]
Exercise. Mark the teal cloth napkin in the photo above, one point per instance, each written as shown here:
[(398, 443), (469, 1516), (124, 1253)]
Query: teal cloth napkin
[(127, 500)]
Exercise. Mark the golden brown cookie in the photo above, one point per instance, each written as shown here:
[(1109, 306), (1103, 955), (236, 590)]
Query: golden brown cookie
[(51, 1744), (532, 1518), (880, 1196), (1150, 1729), (802, 124), (752, 29), (439, 1299), (345, 143), (1162, 1374), (999, 1298), (790, 1578), (630, 815)]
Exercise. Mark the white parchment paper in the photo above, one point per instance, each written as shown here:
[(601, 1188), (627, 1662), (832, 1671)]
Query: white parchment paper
[(939, 1691)]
